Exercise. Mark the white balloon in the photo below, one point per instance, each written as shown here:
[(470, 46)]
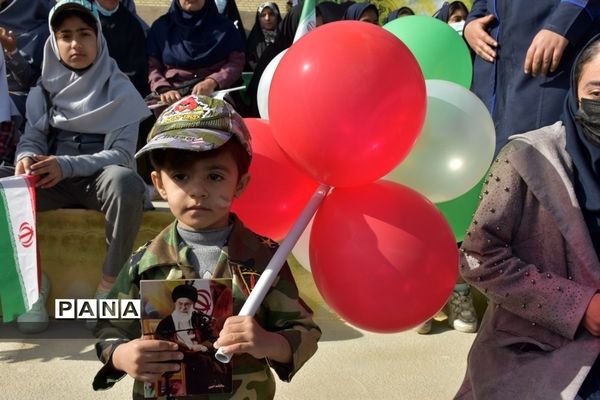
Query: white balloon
[(264, 85), (455, 147), (302, 246)]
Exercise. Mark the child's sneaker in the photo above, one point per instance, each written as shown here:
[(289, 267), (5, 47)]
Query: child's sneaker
[(36, 320), (100, 295), (424, 328), (461, 312)]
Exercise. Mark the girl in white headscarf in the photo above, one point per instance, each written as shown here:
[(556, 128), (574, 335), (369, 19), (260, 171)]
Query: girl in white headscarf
[(81, 133)]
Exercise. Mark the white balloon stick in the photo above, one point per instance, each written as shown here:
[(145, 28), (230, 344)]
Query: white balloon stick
[(219, 94), (272, 269)]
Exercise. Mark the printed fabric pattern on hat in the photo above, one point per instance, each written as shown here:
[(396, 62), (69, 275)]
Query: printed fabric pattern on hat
[(197, 123)]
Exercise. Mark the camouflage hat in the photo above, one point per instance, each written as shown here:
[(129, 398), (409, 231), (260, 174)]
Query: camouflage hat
[(197, 123)]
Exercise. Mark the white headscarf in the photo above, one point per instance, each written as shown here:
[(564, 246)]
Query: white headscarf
[(99, 100)]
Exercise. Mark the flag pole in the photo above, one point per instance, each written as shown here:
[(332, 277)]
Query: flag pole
[(308, 19), (272, 269)]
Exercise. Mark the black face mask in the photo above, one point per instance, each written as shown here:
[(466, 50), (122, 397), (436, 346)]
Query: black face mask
[(588, 116)]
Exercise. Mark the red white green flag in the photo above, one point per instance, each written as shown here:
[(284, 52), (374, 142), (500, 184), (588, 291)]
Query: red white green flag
[(18, 246), (308, 19)]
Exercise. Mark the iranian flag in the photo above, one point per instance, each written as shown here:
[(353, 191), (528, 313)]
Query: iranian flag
[(18, 246), (308, 19)]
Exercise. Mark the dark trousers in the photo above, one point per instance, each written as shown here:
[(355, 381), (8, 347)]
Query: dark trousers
[(116, 191)]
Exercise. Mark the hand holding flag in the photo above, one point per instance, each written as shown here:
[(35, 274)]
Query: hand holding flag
[(19, 272)]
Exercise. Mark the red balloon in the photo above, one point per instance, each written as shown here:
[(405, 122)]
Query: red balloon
[(347, 102), (382, 256), (278, 190)]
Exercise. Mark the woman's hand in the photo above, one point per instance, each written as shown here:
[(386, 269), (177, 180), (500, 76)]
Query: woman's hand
[(544, 53), (170, 97), (205, 87), (476, 34), (147, 360)]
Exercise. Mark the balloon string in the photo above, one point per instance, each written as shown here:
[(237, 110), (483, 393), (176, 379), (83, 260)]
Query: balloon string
[(272, 269)]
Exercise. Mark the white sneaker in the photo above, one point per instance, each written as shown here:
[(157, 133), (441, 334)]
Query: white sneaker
[(461, 312), (424, 328), (36, 320)]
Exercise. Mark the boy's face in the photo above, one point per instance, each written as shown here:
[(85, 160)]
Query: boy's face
[(200, 195)]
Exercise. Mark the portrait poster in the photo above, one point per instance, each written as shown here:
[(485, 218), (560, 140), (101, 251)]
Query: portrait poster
[(190, 313)]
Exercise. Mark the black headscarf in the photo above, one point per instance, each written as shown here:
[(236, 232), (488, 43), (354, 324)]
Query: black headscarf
[(193, 40), (586, 159), (126, 43), (287, 29), (232, 12), (356, 10), (257, 42), (130, 5), (285, 37), (332, 11), (443, 14), (400, 12)]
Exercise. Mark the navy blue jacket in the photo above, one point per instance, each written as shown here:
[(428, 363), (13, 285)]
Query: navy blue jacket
[(518, 102)]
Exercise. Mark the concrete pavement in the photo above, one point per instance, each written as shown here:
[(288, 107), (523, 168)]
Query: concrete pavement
[(351, 364)]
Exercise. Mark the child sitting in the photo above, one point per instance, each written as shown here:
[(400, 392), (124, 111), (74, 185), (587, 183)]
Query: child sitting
[(79, 139)]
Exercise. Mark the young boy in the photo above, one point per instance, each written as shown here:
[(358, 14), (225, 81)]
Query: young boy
[(200, 150)]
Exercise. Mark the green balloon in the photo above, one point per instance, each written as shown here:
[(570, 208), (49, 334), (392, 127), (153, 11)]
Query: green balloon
[(440, 51), (459, 211)]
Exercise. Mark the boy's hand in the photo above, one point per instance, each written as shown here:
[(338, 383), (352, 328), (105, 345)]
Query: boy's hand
[(242, 334), (147, 360)]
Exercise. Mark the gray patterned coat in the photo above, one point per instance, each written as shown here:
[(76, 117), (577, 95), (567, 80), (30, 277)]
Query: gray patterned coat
[(528, 249)]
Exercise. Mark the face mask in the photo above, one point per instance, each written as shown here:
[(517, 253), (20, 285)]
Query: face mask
[(105, 12), (221, 5), (588, 117), (458, 26)]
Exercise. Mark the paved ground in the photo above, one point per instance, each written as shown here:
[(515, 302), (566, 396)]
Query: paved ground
[(350, 363)]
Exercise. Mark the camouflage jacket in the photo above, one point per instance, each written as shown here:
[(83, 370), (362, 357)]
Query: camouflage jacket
[(243, 259)]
